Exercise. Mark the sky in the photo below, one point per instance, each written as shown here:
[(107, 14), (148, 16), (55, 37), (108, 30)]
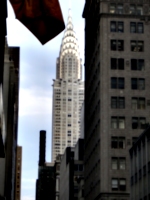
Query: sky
[(37, 69)]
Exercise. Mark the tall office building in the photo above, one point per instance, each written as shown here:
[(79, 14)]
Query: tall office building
[(68, 93), (117, 96)]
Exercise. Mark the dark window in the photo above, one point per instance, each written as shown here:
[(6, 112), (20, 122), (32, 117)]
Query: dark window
[(118, 122), (122, 183), (118, 184), (138, 103), (139, 123), (117, 45), (117, 83), (116, 26), (137, 83), (117, 63), (118, 163), (137, 64), (118, 102), (116, 8), (144, 170), (137, 46), (117, 142), (132, 9), (136, 27)]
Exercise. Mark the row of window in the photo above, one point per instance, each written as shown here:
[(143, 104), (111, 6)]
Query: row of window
[(119, 83), (135, 46), (118, 63), (136, 103), (118, 26), (137, 122), (119, 9)]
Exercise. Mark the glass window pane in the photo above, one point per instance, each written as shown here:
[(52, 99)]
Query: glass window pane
[(114, 142), (114, 163), (113, 45), (134, 83), (121, 83), (132, 9), (121, 102), (141, 83), (133, 46), (121, 122), (114, 122), (113, 63), (113, 102), (134, 122), (114, 184), (141, 104), (142, 122), (140, 28), (140, 46), (119, 8), (134, 103), (112, 8), (120, 63), (120, 27), (113, 83), (122, 163), (133, 27), (140, 10), (113, 26), (120, 45), (133, 64), (121, 142), (140, 64)]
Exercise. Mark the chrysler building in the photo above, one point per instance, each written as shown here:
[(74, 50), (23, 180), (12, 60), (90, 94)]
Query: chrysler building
[(68, 93)]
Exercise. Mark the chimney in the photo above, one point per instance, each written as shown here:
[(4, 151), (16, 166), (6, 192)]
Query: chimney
[(42, 148)]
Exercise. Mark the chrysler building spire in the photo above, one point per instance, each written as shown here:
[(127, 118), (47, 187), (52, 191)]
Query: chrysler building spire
[(68, 93), (69, 50)]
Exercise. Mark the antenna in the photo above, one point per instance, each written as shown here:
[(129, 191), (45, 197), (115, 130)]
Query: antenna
[(69, 4)]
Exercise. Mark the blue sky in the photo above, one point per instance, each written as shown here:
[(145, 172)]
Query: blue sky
[(37, 69)]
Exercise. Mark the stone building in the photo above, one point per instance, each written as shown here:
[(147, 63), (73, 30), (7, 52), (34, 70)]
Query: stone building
[(117, 97), (68, 93), (140, 167)]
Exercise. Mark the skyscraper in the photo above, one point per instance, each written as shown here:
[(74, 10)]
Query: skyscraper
[(68, 93), (117, 97)]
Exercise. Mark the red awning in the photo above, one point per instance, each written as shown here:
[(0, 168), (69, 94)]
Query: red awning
[(42, 17)]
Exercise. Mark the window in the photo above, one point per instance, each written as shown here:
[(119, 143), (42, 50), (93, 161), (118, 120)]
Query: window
[(118, 142), (117, 83), (117, 63), (132, 9), (137, 46), (118, 163), (138, 123), (118, 122), (137, 64), (118, 102), (138, 103), (136, 27), (118, 184), (137, 83), (116, 8), (116, 26), (117, 45), (136, 9), (114, 184)]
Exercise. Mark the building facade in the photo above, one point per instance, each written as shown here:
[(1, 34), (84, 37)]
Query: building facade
[(68, 94), (45, 184), (18, 173), (117, 97), (140, 167)]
